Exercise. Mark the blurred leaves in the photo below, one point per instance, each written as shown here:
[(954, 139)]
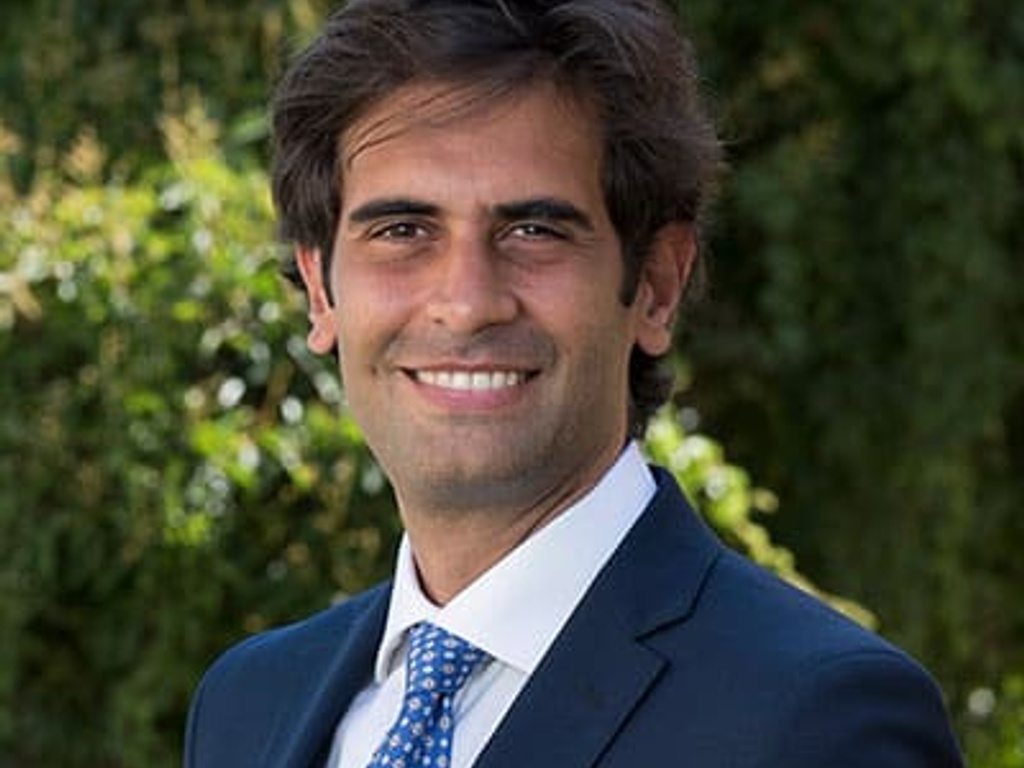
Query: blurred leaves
[(864, 354), (174, 471), (994, 734)]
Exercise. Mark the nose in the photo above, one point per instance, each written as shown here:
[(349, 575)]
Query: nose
[(472, 289)]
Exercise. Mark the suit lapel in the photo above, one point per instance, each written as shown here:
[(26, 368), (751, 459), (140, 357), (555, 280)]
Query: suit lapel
[(599, 667), (306, 732)]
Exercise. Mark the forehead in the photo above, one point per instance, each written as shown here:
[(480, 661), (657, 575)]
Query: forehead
[(538, 115)]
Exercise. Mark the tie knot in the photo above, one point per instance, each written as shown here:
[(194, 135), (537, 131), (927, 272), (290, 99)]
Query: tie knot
[(439, 662)]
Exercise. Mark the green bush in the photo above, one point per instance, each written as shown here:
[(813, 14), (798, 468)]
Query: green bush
[(994, 734), (864, 352), (174, 473)]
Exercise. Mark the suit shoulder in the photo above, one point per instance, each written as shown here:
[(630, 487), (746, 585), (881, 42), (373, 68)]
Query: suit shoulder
[(288, 644), (262, 685), (741, 594), (813, 686), (294, 655)]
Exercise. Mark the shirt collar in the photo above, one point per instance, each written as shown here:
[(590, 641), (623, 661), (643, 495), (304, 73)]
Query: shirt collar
[(515, 610)]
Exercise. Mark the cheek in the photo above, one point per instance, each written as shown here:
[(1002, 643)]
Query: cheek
[(355, 340), (600, 335), (373, 295), (369, 315)]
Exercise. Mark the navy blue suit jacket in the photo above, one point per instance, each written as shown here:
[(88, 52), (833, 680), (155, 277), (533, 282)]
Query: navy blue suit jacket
[(682, 653)]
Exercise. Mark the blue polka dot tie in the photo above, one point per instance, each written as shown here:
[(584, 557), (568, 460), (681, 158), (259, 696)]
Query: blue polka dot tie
[(438, 665)]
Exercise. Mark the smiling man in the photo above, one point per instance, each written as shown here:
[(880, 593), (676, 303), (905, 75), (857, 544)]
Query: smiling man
[(474, 295), (495, 207)]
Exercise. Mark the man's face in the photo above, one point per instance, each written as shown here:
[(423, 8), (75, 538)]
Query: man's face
[(476, 276)]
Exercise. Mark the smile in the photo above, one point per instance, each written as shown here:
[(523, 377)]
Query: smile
[(471, 381)]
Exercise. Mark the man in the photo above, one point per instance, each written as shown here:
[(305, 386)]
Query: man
[(495, 206)]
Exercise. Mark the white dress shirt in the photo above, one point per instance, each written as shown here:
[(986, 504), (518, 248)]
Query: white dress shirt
[(514, 612)]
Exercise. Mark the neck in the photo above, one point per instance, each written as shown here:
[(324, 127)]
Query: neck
[(454, 548), (453, 554), (457, 536)]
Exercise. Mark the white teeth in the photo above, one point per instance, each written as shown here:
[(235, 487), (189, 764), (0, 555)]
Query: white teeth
[(471, 381)]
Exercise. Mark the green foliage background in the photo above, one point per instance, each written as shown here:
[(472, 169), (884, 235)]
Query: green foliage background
[(174, 471)]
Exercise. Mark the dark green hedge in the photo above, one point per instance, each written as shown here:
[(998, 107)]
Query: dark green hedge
[(865, 355)]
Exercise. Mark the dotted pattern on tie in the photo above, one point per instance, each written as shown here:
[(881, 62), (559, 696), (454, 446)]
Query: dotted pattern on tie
[(438, 665)]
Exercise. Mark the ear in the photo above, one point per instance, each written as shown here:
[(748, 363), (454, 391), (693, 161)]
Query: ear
[(661, 287), (323, 333)]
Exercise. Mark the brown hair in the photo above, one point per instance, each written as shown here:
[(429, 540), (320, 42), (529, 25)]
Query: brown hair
[(626, 58)]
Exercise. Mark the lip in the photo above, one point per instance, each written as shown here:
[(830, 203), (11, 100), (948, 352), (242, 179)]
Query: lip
[(478, 380), (474, 388)]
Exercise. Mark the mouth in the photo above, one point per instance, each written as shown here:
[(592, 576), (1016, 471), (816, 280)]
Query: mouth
[(471, 381)]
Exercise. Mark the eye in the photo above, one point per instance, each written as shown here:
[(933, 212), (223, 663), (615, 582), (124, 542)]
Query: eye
[(398, 231), (535, 230)]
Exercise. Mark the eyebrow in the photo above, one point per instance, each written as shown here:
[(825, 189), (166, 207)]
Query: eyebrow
[(378, 209), (546, 208)]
